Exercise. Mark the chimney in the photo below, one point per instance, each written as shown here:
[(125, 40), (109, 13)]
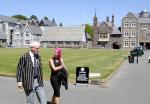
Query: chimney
[(107, 19), (112, 21)]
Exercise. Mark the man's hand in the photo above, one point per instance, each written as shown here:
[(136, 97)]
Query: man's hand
[(19, 85)]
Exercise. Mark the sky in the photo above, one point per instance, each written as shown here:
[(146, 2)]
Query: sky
[(74, 12)]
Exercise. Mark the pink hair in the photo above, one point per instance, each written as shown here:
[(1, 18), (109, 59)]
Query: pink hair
[(58, 51)]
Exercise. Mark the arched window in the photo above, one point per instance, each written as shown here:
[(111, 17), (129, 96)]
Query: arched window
[(126, 42), (132, 42), (126, 23), (133, 23), (133, 33), (126, 33)]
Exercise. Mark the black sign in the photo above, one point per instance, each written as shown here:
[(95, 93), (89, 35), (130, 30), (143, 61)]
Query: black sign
[(82, 75)]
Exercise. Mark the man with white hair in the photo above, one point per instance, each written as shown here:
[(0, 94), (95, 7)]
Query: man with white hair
[(29, 74)]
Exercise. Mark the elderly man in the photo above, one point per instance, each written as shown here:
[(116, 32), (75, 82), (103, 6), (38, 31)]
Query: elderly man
[(29, 74)]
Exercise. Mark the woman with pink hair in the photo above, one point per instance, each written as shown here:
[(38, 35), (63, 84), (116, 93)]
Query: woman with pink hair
[(56, 65)]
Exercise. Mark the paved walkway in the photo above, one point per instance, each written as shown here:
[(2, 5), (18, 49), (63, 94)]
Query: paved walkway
[(130, 85)]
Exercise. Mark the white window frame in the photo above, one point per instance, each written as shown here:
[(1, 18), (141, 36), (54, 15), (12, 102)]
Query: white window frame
[(126, 23), (133, 33), (144, 26), (17, 35), (126, 42), (27, 32), (133, 23), (132, 42), (147, 34), (26, 41), (126, 33)]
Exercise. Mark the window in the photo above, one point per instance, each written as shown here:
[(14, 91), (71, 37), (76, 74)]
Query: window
[(144, 26), (132, 42), (133, 33), (103, 36), (68, 43), (27, 41), (76, 43), (133, 23), (27, 33), (147, 34), (60, 42), (126, 42), (52, 42), (126, 23), (126, 33), (17, 35)]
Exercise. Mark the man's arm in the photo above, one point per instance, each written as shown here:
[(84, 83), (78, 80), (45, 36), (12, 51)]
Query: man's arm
[(19, 71)]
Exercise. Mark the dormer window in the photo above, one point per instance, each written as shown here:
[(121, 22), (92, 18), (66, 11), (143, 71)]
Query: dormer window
[(27, 33), (126, 23), (133, 23)]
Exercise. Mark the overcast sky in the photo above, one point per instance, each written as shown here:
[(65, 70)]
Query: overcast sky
[(73, 12)]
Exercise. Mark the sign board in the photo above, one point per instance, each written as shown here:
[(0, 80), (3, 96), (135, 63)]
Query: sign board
[(82, 75)]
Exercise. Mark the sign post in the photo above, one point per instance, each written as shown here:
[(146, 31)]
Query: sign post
[(82, 75)]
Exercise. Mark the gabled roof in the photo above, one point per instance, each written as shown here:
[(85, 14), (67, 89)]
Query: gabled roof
[(34, 22), (109, 24), (68, 33), (11, 20), (115, 31), (19, 28), (35, 29), (8, 19), (48, 22), (2, 34), (130, 15)]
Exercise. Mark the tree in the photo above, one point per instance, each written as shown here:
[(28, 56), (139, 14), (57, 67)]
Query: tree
[(60, 24), (33, 17), (22, 17), (46, 18), (89, 30)]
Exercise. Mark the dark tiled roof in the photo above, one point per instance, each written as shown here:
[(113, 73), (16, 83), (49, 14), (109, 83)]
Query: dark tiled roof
[(116, 31), (49, 23), (35, 29)]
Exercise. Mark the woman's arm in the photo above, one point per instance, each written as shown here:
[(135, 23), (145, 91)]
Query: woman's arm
[(62, 63), (51, 63)]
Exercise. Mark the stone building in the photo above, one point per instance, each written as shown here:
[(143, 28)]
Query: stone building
[(136, 29), (106, 35), (65, 37)]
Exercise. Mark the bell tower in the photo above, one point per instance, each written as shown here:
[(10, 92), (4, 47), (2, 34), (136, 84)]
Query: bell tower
[(95, 29)]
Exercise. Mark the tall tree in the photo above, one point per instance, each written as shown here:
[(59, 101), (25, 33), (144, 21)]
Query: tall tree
[(46, 18), (33, 17), (22, 17), (60, 24), (89, 30)]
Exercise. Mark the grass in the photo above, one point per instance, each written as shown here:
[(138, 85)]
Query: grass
[(103, 61)]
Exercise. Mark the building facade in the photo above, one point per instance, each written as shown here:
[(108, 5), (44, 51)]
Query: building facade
[(65, 37), (136, 29), (20, 33), (106, 35)]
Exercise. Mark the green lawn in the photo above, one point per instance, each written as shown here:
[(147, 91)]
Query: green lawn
[(104, 61)]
